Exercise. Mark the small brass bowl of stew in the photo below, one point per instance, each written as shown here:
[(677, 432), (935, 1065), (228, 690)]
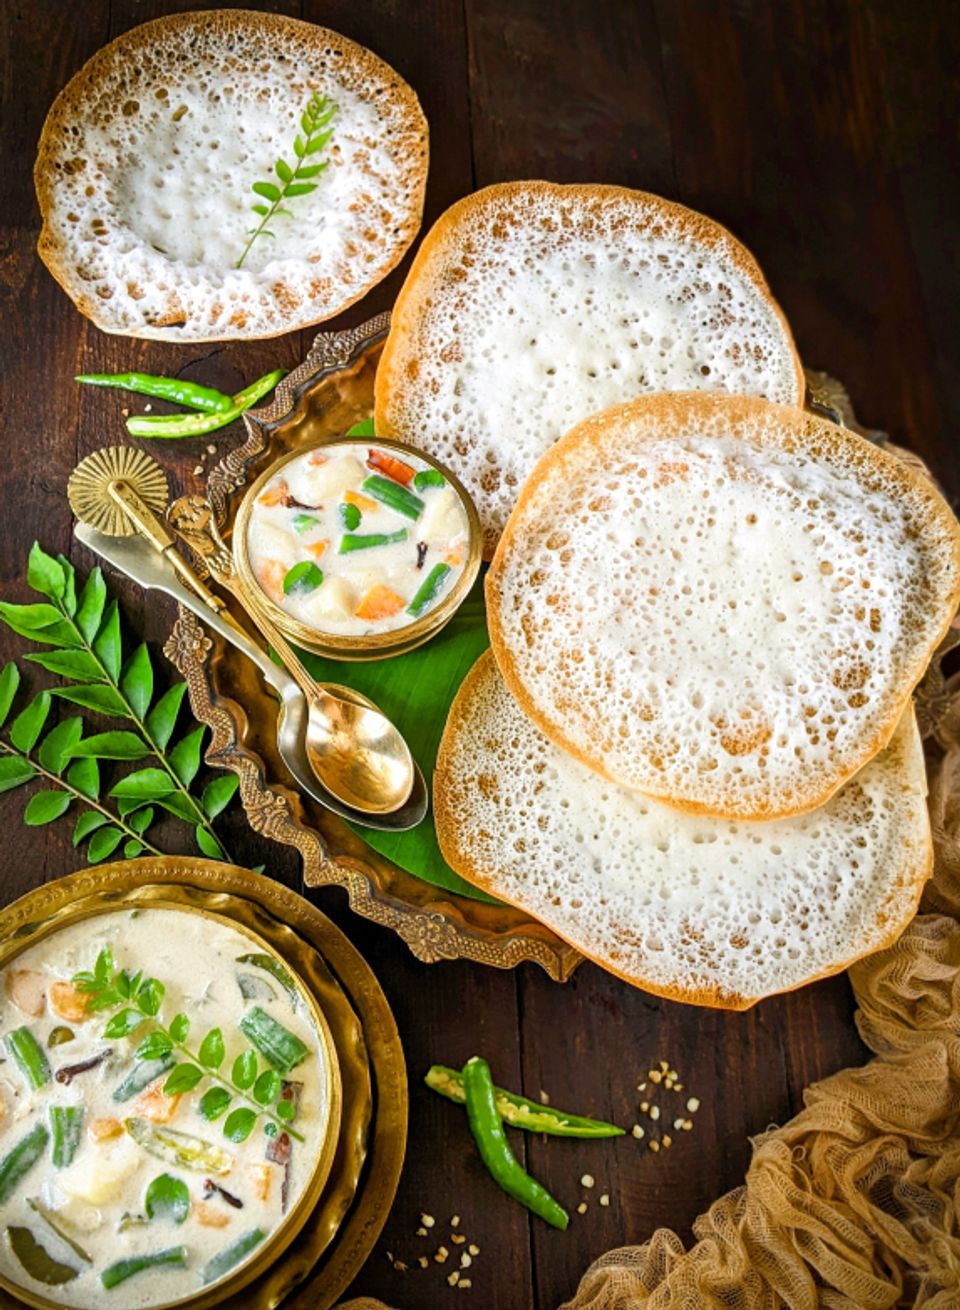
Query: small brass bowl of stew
[(357, 549)]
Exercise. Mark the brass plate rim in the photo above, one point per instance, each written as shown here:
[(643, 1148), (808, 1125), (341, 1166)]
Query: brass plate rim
[(375, 1154)]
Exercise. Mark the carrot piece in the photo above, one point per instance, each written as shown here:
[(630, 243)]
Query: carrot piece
[(155, 1105), (391, 466), (69, 1003), (210, 1216), (379, 603), (262, 1176), (363, 503), (317, 548), (453, 558), (274, 495), (317, 458), (271, 577), (101, 1130), (27, 988)]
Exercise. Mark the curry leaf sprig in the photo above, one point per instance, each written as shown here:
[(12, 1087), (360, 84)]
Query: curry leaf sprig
[(82, 631), (259, 1086), (295, 179)]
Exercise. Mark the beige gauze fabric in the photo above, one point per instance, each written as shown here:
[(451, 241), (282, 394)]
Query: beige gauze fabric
[(855, 1203)]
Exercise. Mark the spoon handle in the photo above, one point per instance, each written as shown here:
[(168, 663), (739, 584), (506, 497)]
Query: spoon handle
[(137, 559)]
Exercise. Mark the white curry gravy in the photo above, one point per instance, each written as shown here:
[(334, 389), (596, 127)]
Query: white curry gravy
[(99, 1137), (352, 539)]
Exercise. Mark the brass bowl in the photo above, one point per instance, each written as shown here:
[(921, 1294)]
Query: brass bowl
[(179, 899), (371, 646)]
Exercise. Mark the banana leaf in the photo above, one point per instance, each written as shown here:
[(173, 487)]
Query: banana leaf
[(416, 691)]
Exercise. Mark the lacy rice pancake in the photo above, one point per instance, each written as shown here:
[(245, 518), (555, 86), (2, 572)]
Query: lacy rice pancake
[(710, 912), (165, 1101), (531, 305), (721, 602), (150, 154)]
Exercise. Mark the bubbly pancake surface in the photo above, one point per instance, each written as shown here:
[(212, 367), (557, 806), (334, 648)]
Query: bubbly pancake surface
[(721, 602), (148, 157), (532, 305), (708, 911)]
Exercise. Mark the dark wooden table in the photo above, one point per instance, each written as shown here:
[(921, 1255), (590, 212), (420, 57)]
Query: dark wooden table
[(824, 133)]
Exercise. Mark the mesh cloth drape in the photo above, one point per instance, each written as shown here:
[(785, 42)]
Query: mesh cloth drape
[(855, 1203)]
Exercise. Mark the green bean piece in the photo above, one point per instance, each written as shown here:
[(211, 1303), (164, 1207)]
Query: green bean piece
[(518, 1112), (429, 589), (350, 516), (274, 968), (29, 1057), (142, 1075), (304, 523), (225, 1260), (66, 1124), (353, 541), (40, 1209), (191, 394), (429, 478), (304, 577), (196, 425), (21, 1159), (37, 1260), (179, 1148), (60, 1035), (282, 1048), (393, 496), (488, 1133), (118, 1273)]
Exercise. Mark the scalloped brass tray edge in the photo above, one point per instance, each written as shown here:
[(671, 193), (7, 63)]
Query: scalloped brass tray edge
[(345, 1225), (434, 923)]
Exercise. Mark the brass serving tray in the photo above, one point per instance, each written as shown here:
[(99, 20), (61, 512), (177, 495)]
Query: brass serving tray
[(330, 391), (337, 1237)]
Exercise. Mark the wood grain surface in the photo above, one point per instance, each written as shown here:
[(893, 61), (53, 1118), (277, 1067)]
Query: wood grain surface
[(824, 133)]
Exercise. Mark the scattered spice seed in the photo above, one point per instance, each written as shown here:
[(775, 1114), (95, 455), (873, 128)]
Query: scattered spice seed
[(644, 1106), (654, 1112), (667, 1141), (678, 1124), (211, 450), (637, 1131), (423, 1262), (453, 1278), (587, 1180), (441, 1254), (465, 1282), (147, 409), (693, 1105), (654, 1144), (673, 1075), (664, 1066), (465, 1261), (400, 1266), (605, 1199), (678, 1087), (641, 1087), (457, 1238), (421, 1231), (427, 1220), (544, 1098), (473, 1249), (687, 1125), (655, 1077), (455, 1221), (582, 1208), (198, 470)]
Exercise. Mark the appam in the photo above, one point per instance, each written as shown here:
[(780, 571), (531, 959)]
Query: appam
[(531, 305), (710, 912), (148, 156), (721, 602)]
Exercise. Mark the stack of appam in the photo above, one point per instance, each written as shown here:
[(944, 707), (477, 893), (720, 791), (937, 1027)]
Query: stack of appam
[(691, 751)]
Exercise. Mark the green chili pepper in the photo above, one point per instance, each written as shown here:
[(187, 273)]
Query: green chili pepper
[(66, 1123), (196, 425), (60, 1035), (273, 967), (141, 1076), (518, 1112), (393, 496), (29, 1057), (350, 516), (429, 589), (429, 478), (118, 1273), (350, 541), (21, 1159), (37, 1260), (232, 1255), (275, 1043), (487, 1128), (179, 1148), (304, 522), (304, 576), (180, 392)]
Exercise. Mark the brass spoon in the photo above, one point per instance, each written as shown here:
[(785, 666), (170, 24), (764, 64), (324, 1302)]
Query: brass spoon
[(354, 749)]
